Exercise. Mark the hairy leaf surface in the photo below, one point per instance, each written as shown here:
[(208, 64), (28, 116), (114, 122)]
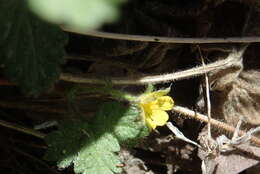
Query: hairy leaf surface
[(65, 143), (92, 147)]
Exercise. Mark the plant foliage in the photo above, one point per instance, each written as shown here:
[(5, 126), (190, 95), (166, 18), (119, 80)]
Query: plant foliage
[(92, 147), (31, 50)]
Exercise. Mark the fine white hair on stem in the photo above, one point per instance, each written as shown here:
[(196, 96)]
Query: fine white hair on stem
[(147, 38), (155, 79)]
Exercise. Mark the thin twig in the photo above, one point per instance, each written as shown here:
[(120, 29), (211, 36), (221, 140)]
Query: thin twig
[(22, 129), (164, 39), (218, 124), (207, 95), (143, 80)]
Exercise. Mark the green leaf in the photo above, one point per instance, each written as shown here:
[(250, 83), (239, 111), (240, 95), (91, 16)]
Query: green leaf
[(92, 148), (98, 155), (88, 150), (77, 14), (65, 143), (124, 122), (31, 50)]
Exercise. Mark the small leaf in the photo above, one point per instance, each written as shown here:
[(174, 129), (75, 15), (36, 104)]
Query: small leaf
[(31, 50), (77, 14)]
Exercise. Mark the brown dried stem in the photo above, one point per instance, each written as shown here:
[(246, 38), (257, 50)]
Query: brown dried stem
[(218, 124), (207, 94), (22, 129)]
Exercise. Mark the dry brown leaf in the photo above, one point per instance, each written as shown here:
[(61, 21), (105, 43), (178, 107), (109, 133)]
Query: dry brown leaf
[(237, 161), (244, 156)]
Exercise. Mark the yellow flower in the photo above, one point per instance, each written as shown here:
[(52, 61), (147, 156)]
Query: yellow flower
[(154, 105)]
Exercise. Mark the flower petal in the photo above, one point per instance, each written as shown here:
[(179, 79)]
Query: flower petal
[(150, 123), (147, 108), (164, 103), (159, 117)]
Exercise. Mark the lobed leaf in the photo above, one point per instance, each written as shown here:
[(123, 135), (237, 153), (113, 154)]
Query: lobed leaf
[(92, 148), (65, 143), (123, 122), (98, 155)]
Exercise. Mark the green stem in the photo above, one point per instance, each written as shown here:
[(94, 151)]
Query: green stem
[(22, 129), (121, 95)]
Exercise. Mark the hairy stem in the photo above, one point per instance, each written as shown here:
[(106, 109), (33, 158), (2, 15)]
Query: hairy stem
[(218, 124), (164, 78)]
